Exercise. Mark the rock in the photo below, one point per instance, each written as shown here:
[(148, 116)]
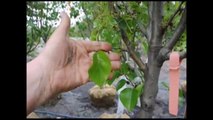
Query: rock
[(106, 115), (104, 97), (32, 115)]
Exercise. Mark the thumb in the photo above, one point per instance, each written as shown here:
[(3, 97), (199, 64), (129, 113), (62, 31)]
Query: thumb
[(65, 23), (61, 32)]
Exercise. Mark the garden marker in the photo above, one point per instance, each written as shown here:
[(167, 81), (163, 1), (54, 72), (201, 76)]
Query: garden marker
[(174, 65)]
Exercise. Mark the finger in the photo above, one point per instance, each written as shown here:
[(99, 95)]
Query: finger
[(61, 32), (65, 23), (114, 56), (116, 65), (95, 46)]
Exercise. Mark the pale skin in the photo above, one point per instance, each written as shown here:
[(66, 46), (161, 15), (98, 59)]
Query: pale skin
[(62, 66)]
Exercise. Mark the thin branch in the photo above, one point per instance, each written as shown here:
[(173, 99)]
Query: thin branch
[(126, 41), (131, 51), (182, 55), (172, 17), (178, 32)]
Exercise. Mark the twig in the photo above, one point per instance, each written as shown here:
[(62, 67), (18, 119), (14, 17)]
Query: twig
[(172, 17), (178, 32)]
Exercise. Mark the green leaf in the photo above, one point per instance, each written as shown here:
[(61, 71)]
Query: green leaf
[(139, 88), (100, 69), (115, 75), (165, 85), (145, 47), (181, 101), (121, 83), (124, 68), (109, 82), (181, 93), (129, 98)]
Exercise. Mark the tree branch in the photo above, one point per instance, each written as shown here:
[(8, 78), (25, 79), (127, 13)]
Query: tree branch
[(154, 30), (131, 51), (178, 32), (138, 61), (140, 25), (172, 17), (182, 55)]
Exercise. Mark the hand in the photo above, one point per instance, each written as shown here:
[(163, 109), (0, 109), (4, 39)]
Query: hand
[(63, 64), (70, 60)]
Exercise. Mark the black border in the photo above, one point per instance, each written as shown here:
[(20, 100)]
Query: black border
[(13, 53)]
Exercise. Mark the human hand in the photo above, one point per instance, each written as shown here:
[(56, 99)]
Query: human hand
[(69, 60)]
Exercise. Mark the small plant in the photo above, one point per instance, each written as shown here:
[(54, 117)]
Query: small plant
[(100, 69), (99, 73)]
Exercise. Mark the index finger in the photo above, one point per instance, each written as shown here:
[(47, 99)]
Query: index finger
[(95, 46)]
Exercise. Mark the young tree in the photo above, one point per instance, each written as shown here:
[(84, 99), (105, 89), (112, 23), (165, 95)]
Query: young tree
[(157, 52), (157, 25)]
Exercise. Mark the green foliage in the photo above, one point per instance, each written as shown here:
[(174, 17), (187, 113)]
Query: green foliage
[(145, 47), (169, 9), (100, 69), (41, 17), (165, 85), (181, 44), (121, 83), (139, 88), (129, 97), (116, 75)]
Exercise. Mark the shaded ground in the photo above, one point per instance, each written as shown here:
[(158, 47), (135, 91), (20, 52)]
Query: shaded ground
[(76, 103)]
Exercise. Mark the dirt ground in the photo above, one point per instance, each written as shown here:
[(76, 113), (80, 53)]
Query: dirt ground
[(76, 103)]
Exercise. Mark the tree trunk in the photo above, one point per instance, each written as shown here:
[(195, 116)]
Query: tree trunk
[(150, 88), (153, 68)]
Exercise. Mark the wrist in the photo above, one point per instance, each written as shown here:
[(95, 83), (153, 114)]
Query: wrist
[(38, 90)]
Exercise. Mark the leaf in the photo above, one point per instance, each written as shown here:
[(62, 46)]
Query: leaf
[(129, 98), (124, 68), (145, 47), (116, 75), (139, 88), (181, 101), (100, 69), (165, 85), (121, 83), (181, 94)]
